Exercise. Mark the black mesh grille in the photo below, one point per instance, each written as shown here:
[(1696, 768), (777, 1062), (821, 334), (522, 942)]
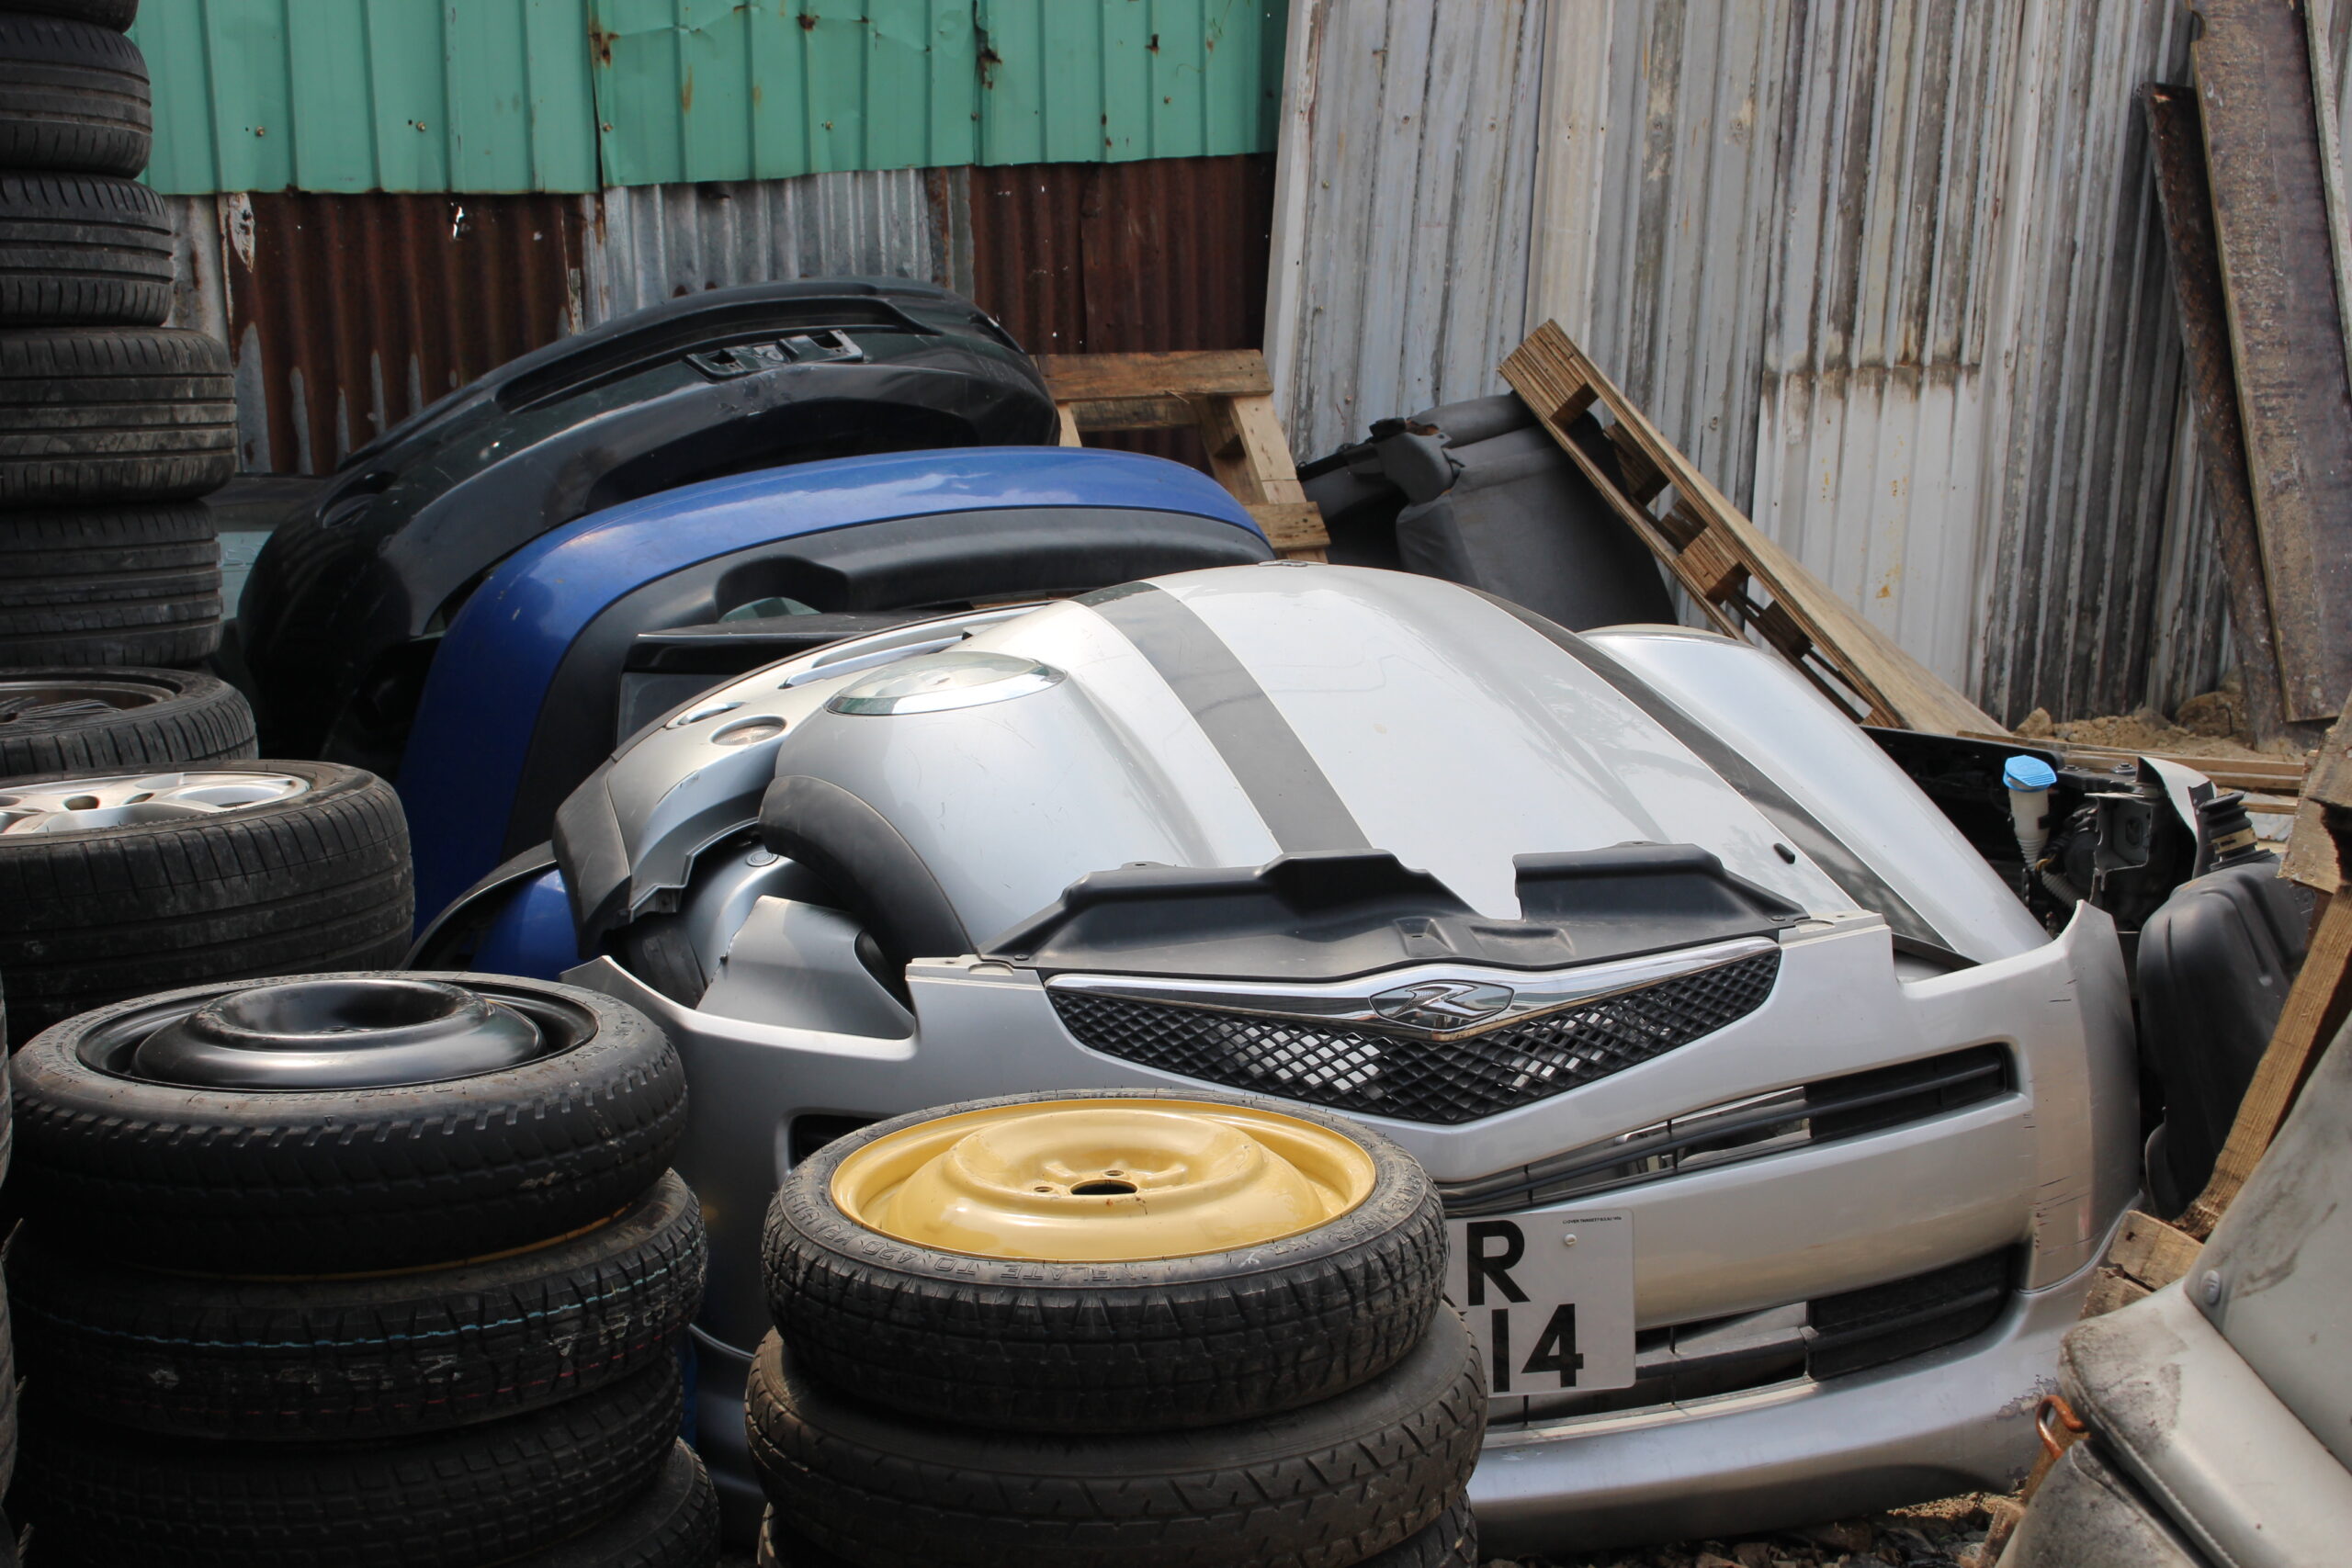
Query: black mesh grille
[(1351, 1068)]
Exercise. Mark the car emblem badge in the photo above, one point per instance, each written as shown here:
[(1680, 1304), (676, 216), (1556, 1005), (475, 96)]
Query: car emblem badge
[(1442, 1004)]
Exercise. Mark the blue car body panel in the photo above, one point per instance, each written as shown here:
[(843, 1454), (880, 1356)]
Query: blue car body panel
[(467, 748), (533, 935)]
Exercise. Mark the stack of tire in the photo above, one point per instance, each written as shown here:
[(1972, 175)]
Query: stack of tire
[(111, 424), (1138, 1327), (7, 1368), (357, 1270)]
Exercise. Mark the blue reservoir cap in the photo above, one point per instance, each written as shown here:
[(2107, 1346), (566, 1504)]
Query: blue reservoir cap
[(2028, 772)]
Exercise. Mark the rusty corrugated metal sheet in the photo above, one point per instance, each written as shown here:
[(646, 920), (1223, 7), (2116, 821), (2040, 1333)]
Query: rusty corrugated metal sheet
[(1112, 258), (346, 314), (1108, 258)]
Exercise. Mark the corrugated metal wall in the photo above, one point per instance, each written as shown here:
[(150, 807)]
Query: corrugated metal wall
[(648, 244), (712, 90), (369, 95), (346, 314), (1410, 151), (1888, 269), (572, 94)]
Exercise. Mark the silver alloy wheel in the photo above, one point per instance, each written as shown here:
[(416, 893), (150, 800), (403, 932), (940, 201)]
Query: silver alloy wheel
[(115, 800), (54, 697)]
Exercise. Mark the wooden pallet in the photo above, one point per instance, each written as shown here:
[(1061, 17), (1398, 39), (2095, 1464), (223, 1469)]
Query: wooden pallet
[(1225, 394), (1743, 581)]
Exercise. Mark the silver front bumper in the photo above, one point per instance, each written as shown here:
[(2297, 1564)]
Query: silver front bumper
[(1953, 1420)]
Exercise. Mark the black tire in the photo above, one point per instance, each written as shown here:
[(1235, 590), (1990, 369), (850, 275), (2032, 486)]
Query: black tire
[(74, 97), (110, 585), (674, 1524), (480, 1495), (330, 1181), (116, 14), (68, 720), (1451, 1542), (8, 1381), (91, 414), (1324, 1486), (315, 882), (83, 248), (386, 1354), (1155, 1346)]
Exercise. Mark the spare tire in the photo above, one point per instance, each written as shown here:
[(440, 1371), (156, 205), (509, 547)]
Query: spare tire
[(87, 248), (477, 1496), (1217, 1320), (381, 1355), (74, 97), (1324, 1486), (110, 585), (113, 886), (94, 414), (176, 1130), (67, 721)]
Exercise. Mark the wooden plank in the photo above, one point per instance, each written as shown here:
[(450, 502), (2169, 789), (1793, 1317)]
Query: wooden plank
[(2310, 852), (2186, 196), (1225, 395), (1084, 377), (2266, 775), (2316, 1007), (1548, 371), (2266, 156), (1291, 525), (1131, 414), (2151, 1251)]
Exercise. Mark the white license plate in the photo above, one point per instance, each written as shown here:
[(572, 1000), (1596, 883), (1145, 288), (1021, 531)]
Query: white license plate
[(1549, 1298)]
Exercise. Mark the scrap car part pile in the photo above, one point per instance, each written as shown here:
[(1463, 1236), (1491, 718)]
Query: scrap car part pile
[(1134, 1327), (358, 1269)]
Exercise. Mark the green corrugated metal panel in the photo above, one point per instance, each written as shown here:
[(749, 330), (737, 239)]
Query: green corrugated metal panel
[(369, 95), (566, 95), (765, 89)]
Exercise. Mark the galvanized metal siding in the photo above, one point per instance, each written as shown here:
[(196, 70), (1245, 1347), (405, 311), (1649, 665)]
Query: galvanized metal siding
[(648, 244), (1656, 214), (1402, 264), (1887, 269), (2080, 425), (369, 95)]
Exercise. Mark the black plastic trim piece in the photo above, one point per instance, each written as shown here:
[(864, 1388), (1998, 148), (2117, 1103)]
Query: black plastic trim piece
[(877, 875), (1334, 914), (1272, 765)]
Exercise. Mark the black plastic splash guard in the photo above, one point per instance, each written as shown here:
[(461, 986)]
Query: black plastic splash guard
[(1334, 914)]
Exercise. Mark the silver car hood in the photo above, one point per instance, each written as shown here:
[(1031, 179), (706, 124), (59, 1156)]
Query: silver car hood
[(1224, 719)]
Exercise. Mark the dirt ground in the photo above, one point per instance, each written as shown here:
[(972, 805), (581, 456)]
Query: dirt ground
[(1946, 1534), (2210, 724)]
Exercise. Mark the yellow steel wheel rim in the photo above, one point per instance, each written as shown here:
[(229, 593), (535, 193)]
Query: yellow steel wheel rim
[(1085, 1181)]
